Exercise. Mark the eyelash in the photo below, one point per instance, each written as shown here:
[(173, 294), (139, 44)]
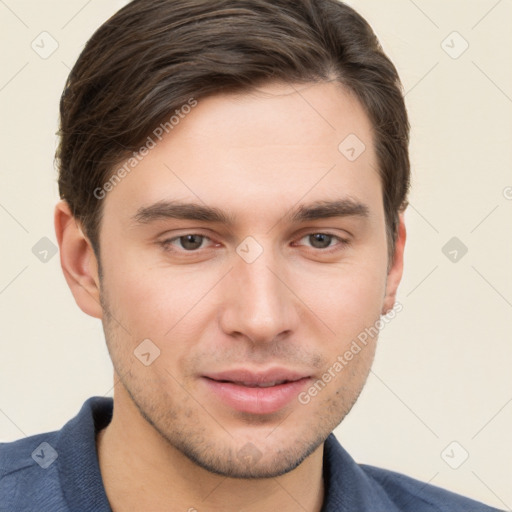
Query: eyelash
[(342, 243)]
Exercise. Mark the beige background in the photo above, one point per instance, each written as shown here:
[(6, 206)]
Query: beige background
[(443, 367)]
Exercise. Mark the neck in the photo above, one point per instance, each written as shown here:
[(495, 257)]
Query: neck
[(142, 471)]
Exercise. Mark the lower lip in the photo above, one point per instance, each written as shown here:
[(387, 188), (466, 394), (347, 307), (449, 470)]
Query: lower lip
[(256, 400)]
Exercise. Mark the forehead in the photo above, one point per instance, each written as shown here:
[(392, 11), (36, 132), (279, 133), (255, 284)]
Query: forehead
[(258, 151)]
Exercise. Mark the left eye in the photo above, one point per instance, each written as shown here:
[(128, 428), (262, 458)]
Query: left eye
[(320, 240), (189, 242)]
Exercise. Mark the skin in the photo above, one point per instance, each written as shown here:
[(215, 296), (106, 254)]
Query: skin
[(172, 443)]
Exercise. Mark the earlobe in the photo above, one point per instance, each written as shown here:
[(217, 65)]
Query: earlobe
[(78, 261), (395, 272)]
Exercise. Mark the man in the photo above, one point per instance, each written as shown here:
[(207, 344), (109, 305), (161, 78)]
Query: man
[(233, 176)]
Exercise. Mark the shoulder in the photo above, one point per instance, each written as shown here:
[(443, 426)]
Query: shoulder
[(46, 471), (28, 475), (368, 488), (410, 494)]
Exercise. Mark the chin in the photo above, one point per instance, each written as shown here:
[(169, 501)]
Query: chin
[(251, 461)]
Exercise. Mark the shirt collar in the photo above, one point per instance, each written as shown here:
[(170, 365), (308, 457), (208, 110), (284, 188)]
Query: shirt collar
[(347, 486), (79, 470)]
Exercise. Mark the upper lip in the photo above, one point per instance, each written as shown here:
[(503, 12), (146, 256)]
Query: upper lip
[(248, 377)]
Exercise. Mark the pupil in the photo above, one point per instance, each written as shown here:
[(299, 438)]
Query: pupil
[(320, 240), (191, 241)]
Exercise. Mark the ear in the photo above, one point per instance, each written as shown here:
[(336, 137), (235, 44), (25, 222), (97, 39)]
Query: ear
[(396, 269), (78, 261)]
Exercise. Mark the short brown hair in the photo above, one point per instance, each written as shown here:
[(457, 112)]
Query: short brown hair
[(152, 56)]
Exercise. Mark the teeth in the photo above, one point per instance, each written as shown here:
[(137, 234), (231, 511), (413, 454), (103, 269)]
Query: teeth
[(264, 384)]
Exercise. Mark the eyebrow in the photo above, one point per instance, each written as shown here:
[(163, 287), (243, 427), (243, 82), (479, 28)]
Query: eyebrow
[(346, 207)]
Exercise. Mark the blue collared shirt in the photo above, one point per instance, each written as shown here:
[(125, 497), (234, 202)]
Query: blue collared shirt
[(59, 472)]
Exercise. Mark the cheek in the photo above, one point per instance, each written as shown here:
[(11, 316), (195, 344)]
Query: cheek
[(341, 302), (157, 302)]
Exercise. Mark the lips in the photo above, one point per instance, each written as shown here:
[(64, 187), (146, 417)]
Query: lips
[(264, 392)]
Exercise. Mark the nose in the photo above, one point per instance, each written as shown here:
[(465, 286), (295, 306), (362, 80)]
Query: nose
[(258, 304)]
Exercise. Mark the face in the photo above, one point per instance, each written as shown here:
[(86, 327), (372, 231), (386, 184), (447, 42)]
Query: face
[(251, 253)]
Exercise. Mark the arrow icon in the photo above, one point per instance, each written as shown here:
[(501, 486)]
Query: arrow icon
[(351, 147), (44, 455), (249, 249), (44, 45), (249, 454), (44, 250), (454, 45), (454, 249), (146, 352), (454, 455)]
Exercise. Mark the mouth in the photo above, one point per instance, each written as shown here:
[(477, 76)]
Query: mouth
[(256, 392)]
